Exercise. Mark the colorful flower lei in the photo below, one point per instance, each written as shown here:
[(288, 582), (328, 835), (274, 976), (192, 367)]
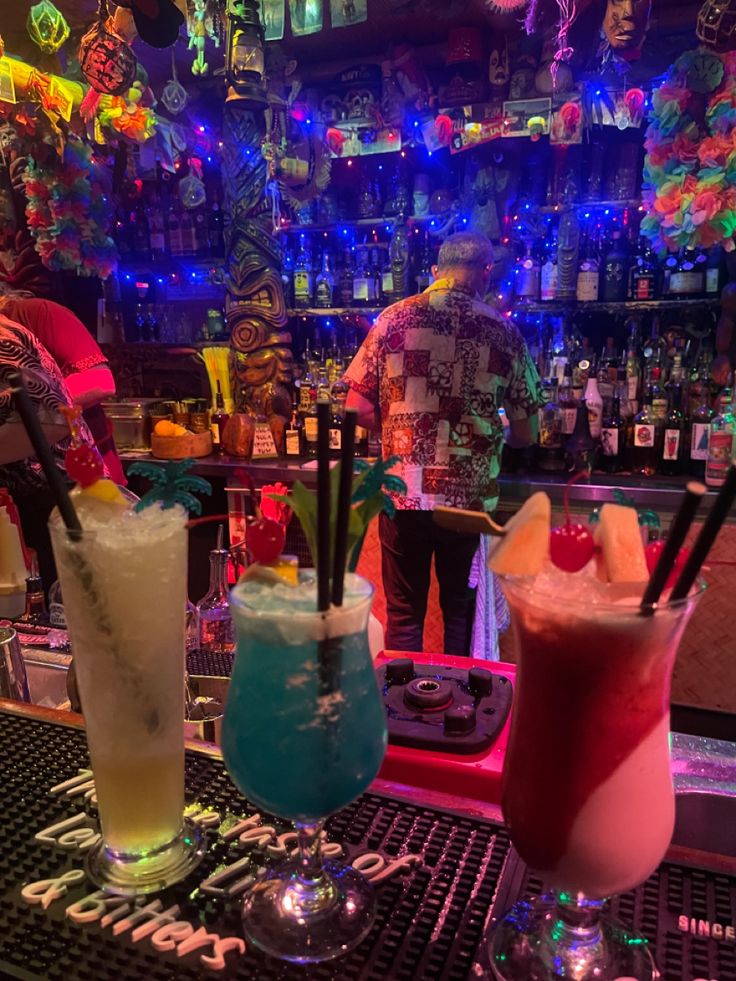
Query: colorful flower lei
[(67, 213), (689, 189)]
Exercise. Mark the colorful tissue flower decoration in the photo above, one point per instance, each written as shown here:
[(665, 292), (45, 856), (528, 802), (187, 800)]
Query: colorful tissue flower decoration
[(67, 213), (689, 189)]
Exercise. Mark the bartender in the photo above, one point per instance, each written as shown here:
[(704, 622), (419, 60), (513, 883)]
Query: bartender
[(81, 362), (430, 376)]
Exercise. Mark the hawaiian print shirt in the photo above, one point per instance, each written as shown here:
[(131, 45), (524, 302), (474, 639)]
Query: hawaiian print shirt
[(19, 349), (439, 366)]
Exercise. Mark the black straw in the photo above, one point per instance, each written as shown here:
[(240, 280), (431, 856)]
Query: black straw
[(679, 528), (344, 494), (323, 506), (41, 448), (708, 534)]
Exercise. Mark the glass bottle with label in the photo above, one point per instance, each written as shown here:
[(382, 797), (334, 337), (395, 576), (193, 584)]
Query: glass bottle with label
[(673, 442), (337, 414), (613, 431), (528, 273), (377, 275), (700, 423), (363, 285), (595, 405), (549, 274), (615, 270), (550, 429), (567, 402), (303, 276), (310, 430), (720, 442), (387, 280), (325, 283), (645, 451), (218, 420), (294, 435), (588, 274), (424, 276), (581, 448), (345, 280), (215, 629), (643, 273), (687, 279)]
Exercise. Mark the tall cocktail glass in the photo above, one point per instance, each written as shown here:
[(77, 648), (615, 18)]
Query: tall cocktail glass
[(124, 588), (304, 734), (587, 792)]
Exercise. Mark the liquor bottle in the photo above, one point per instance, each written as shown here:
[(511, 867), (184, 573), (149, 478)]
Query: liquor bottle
[(188, 237), (366, 201), (363, 284), (424, 276), (527, 279), (337, 414), (594, 402), (633, 371), (644, 451), (606, 375), (310, 430), (287, 276), (687, 279), (377, 276), (156, 228), (387, 280), (325, 284), (580, 449), (215, 227), (361, 441), (567, 402), (670, 267), (550, 428), (671, 460), (720, 442), (303, 276), (588, 276), (345, 280), (615, 270), (294, 434), (548, 280), (642, 274), (613, 431), (218, 421), (700, 422), (713, 273), (176, 246), (215, 629)]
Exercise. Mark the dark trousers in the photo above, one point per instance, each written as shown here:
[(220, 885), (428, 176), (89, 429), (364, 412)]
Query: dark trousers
[(408, 543)]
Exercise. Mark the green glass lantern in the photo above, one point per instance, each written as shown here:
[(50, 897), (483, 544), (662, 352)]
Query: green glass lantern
[(46, 26)]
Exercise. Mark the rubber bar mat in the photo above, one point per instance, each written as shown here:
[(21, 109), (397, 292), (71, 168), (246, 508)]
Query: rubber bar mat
[(207, 664), (433, 908)]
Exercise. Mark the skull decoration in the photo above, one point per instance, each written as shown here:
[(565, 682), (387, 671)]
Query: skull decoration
[(107, 62), (717, 24), (360, 103)]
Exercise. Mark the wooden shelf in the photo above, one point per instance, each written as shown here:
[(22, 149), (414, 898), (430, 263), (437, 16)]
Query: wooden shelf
[(554, 209), (335, 226), (334, 311), (619, 306)]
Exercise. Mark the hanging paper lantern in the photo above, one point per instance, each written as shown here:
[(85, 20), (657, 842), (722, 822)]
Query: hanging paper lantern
[(174, 96), (46, 26), (192, 191), (107, 62)]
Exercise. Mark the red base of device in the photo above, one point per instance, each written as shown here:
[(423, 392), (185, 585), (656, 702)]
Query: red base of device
[(478, 776)]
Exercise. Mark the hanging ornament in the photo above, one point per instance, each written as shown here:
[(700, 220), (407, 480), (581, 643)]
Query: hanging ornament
[(174, 95), (191, 188), (106, 61), (46, 27), (200, 28), (717, 24)]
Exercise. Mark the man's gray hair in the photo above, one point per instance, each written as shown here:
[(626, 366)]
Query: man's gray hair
[(465, 249)]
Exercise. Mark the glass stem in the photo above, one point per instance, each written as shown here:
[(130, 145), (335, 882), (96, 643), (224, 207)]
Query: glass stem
[(578, 918), (309, 837)]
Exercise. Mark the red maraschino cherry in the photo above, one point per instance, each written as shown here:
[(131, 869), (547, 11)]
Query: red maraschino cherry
[(653, 552), (571, 546), (84, 464), (266, 539)]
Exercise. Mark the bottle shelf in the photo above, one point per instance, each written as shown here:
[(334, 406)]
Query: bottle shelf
[(333, 311), (618, 306), (554, 209), (335, 226)]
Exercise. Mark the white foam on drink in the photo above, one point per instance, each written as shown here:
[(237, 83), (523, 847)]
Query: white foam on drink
[(291, 611)]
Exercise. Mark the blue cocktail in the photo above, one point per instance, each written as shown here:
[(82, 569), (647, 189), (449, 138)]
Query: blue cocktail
[(304, 734)]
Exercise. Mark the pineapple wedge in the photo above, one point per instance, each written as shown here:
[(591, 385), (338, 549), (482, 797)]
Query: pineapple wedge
[(524, 548), (622, 549)]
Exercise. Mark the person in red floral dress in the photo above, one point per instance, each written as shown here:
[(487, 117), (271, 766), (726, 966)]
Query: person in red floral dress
[(432, 374)]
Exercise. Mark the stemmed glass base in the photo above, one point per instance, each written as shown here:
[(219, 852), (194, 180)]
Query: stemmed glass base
[(307, 909), (141, 874), (561, 936)]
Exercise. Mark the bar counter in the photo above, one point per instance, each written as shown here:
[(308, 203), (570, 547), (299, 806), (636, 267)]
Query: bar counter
[(704, 670)]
